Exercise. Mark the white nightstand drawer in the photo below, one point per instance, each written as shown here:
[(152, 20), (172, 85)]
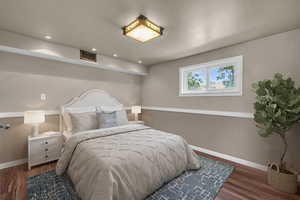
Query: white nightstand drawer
[(42, 158), (51, 141), (53, 148), (53, 155), (38, 148)]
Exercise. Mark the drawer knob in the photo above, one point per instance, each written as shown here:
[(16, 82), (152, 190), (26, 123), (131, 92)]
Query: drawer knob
[(46, 156), (46, 142), (46, 149)]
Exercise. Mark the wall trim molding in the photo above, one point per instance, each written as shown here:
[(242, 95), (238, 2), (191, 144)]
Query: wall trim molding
[(21, 114), (233, 159), (201, 112), (13, 163), (4, 115)]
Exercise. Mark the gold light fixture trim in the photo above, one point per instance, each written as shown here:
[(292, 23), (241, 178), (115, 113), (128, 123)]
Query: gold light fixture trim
[(142, 29)]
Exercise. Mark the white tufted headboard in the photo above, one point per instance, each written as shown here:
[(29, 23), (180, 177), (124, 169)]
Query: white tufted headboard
[(87, 102)]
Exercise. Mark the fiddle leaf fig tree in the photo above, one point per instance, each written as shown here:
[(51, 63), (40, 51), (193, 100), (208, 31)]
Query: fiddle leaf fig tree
[(277, 108)]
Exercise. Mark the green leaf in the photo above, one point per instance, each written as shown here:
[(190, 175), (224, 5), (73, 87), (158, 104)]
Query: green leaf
[(296, 110), (255, 85), (265, 132), (277, 106), (295, 100), (278, 76)]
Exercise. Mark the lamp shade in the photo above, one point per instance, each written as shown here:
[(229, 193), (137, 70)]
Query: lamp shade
[(34, 117), (136, 109)]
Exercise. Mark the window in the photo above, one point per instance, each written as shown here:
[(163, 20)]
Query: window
[(216, 78)]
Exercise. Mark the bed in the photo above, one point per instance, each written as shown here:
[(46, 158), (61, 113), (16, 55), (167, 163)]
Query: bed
[(123, 162)]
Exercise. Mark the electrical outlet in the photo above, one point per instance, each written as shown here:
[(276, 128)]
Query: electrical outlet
[(43, 97)]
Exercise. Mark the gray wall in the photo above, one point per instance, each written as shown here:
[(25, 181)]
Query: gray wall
[(24, 78), (262, 58), (233, 136)]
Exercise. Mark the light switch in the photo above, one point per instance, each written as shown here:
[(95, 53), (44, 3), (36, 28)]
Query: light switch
[(43, 97)]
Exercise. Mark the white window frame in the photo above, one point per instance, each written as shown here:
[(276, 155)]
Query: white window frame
[(236, 61)]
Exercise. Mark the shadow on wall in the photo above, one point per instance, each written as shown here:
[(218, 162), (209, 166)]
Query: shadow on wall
[(17, 124), (29, 65), (13, 142)]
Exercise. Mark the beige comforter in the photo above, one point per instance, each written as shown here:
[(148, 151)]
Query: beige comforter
[(124, 163)]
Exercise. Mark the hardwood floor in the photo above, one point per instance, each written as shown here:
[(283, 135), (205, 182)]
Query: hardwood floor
[(245, 183), (13, 181)]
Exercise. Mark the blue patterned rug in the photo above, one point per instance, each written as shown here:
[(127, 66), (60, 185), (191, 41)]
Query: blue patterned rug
[(202, 184)]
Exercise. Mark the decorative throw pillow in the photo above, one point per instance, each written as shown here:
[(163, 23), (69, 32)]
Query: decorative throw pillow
[(122, 117), (121, 114), (107, 120), (84, 121)]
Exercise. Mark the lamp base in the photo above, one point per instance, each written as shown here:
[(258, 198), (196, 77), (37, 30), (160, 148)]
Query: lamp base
[(35, 130), (136, 117)]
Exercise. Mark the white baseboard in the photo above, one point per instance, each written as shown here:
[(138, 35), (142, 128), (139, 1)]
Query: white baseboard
[(233, 159), (13, 163)]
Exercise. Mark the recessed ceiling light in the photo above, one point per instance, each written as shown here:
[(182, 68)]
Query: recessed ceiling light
[(142, 29), (115, 55), (140, 62), (94, 49), (48, 37)]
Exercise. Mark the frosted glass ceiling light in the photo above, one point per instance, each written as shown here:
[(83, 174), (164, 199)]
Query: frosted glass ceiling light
[(142, 29)]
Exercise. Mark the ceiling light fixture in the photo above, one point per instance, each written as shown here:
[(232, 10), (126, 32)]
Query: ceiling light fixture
[(94, 49), (140, 62), (48, 37), (115, 55), (142, 29)]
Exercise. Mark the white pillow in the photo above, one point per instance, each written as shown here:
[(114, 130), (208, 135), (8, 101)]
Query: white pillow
[(67, 118), (84, 121)]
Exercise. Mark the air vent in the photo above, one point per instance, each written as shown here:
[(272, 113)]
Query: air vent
[(85, 55)]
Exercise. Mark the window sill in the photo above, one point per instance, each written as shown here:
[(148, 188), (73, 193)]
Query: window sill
[(211, 94)]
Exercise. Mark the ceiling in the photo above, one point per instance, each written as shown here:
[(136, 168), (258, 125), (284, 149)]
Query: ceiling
[(191, 26)]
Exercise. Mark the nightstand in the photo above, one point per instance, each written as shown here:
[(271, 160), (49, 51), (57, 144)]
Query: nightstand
[(136, 122), (44, 148)]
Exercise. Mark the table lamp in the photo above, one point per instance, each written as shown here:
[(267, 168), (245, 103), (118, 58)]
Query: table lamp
[(136, 110), (35, 118)]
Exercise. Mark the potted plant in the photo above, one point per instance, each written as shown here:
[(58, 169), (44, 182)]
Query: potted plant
[(277, 110)]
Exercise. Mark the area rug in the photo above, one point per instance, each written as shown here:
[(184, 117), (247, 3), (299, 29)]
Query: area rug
[(202, 184)]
